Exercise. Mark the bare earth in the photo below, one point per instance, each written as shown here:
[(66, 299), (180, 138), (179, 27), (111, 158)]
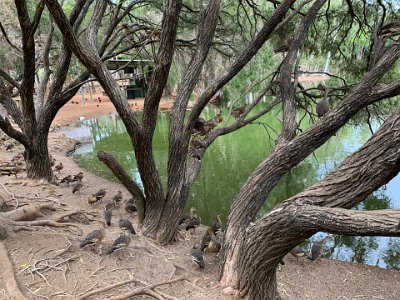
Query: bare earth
[(49, 264)]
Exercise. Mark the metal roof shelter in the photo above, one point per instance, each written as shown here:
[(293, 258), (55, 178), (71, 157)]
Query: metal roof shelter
[(137, 71)]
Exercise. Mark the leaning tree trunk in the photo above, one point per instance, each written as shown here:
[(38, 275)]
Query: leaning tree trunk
[(325, 206)]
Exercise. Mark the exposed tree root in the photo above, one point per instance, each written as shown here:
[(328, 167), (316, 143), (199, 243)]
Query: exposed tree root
[(28, 212), (145, 290), (28, 224), (8, 274)]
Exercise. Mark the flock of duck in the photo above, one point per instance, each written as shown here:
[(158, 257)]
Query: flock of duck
[(210, 241), (96, 237)]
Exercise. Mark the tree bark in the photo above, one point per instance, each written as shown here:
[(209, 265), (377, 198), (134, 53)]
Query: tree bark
[(37, 157), (316, 209), (178, 190)]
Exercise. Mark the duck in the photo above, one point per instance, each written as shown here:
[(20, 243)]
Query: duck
[(117, 198), (214, 246), (185, 217), (67, 179), (130, 208), (217, 225), (100, 194), (205, 241), (107, 217), (59, 167), (121, 242), (126, 225), (194, 222), (197, 256), (76, 186), (238, 112), (92, 199), (285, 46), (299, 252), (110, 205), (323, 106), (78, 176), (316, 248), (93, 238)]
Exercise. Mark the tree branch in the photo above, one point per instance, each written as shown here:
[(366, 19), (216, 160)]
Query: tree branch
[(163, 62), (7, 39), (6, 126), (344, 187), (127, 181), (241, 61), (287, 87), (349, 222), (178, 138), (10, 105)]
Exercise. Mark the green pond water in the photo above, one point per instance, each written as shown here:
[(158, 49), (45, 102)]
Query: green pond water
[(230, 160)]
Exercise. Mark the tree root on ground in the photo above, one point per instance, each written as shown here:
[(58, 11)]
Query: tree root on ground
[(7, 270), (28, 212), (147, 289), (24, 217)]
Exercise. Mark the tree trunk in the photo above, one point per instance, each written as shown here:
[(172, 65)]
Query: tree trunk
[(37, 157)]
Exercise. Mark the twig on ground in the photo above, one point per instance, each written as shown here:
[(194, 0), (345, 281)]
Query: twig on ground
[(145, 289)]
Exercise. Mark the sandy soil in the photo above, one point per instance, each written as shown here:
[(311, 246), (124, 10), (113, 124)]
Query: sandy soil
[(49, 264), (77, 107)]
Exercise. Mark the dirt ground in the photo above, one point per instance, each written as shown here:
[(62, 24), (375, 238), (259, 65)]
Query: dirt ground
[(48, 263)]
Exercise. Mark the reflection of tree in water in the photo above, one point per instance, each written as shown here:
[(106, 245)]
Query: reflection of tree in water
[(391, 256)]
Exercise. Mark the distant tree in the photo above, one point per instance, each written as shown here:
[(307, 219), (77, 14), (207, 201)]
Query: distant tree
[(253, 247), (38, 66)]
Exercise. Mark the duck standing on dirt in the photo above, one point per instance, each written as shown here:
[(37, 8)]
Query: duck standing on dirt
[(118, 198), (59, 167), (76, 186), (78, 176), (121, 242), (107, 217), (299, 252), (100, 194), (67, 179), (217, 225), (316, 248), (126, 225), (197, 256), (93, 238), (130, 208), (214, 247)]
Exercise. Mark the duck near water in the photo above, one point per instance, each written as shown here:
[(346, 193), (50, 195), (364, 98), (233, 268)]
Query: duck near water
[(316, 248)]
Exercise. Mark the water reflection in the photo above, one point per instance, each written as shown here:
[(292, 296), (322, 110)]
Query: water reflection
[(230, 160)]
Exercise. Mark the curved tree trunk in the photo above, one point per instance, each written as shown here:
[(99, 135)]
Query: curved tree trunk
[(258, 247)]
